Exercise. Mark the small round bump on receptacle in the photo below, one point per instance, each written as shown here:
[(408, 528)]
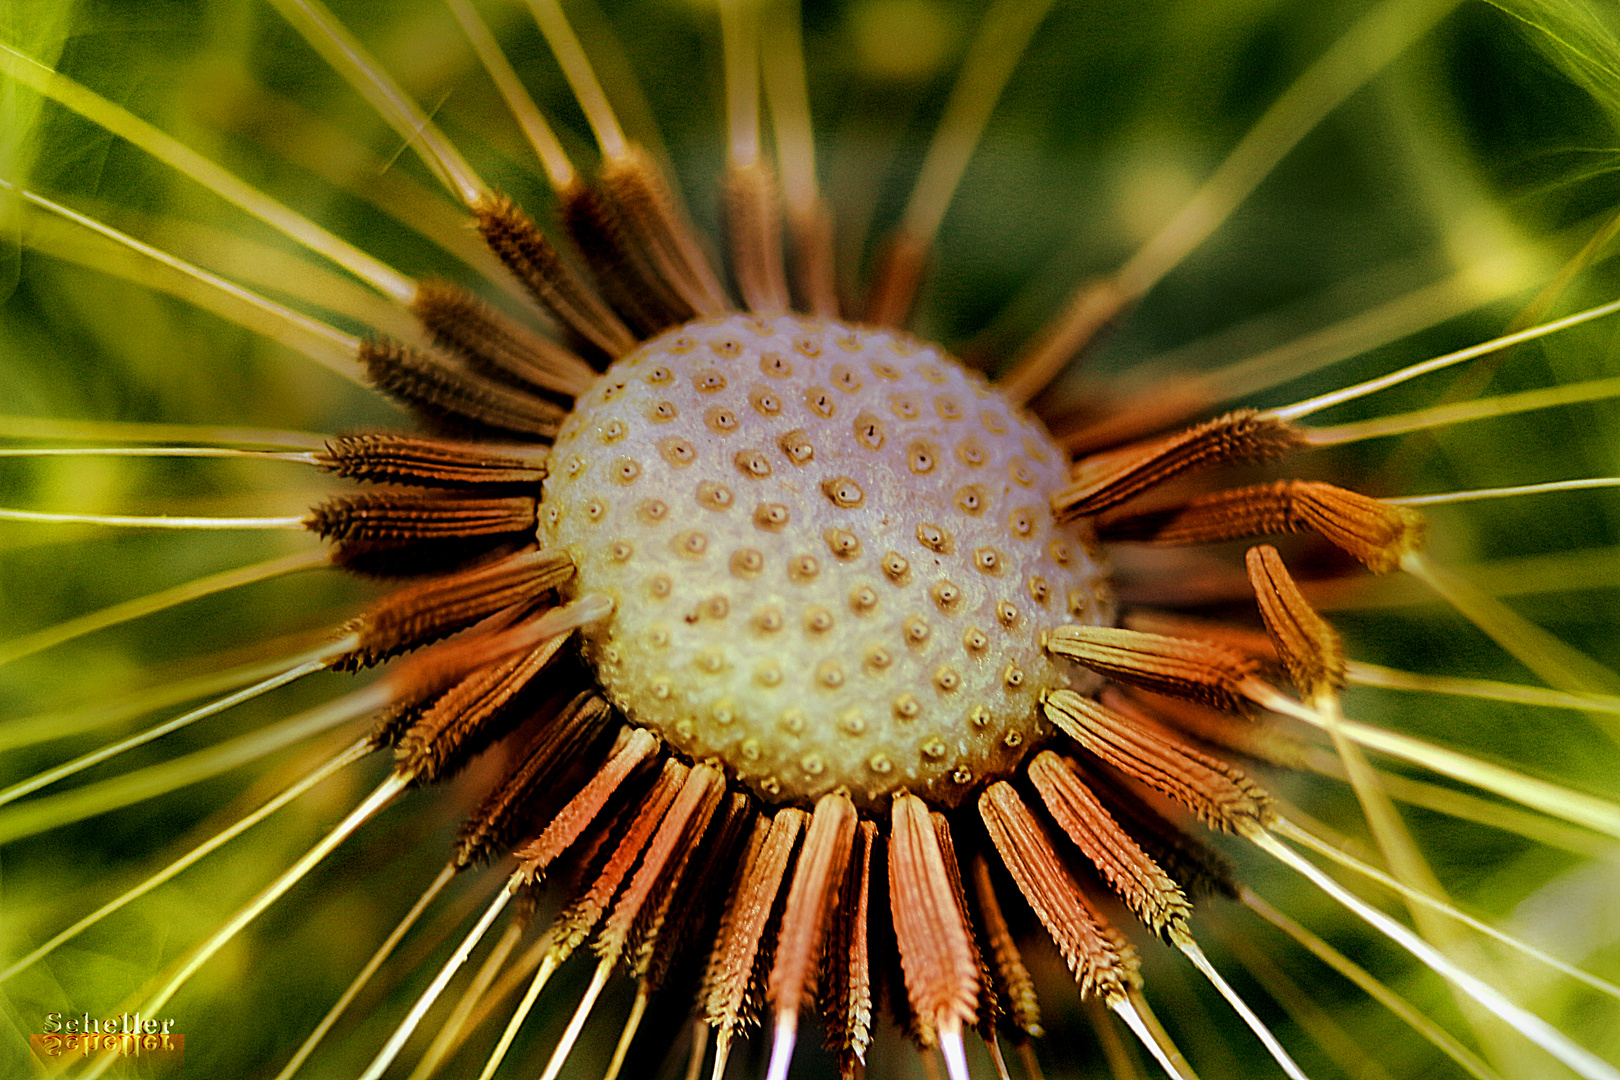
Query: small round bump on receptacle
[(768, 673), (663, 412), (691, 544), (652, 510), (746, 562), (677, 451), (987, 560), (975, 640), (907, 707), (1013, 677), (916, 630), (934, 538), (980, 717), (880, 764), (775, 365), (803, 568), (843, 491), (933, 748), (621, 550), (714, 496), (921, 457), (624, 470), (945, 594), (842, 543), (947, 679), (818, 620), (1006, 615), (1039, 591), (869, 431), (830, 674), (711, 381), (863, 599), (877, 658), (852, 722), (772, 516), (793, 722), (896, 568), (753, 464), (660, 586), (765, 402), (820, 402), (812, 765), (611, 432), (768, 620), (720, 421), (972, 500), (796, 447)]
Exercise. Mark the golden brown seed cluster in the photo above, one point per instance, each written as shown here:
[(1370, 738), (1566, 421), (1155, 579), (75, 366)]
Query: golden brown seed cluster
[(831, 555)]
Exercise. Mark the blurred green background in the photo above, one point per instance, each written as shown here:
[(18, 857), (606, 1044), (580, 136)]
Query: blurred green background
[(1485, 155)]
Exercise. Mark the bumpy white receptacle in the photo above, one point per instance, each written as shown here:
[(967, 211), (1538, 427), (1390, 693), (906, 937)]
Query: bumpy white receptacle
[(831, 553)]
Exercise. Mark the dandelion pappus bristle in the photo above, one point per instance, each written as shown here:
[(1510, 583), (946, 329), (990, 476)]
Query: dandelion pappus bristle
[(550, 753), (555, 285), (1218, 793), (1378, 534), (1181, 667), (935, 940), (449, 396), (1082, 935), (1105, 480), (489, 341), (1147, 890), (385, 458)]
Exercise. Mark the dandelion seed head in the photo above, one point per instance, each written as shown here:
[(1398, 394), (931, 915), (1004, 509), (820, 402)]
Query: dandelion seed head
[(831, 554)]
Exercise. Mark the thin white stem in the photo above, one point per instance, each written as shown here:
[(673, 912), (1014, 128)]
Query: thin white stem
[(1417, 1020), (303, 457), (396, 1041), (1003, 35), (318, 660), (565, 46), (1169, 1059), (377, 959), (782, 1041), (1464, 411), (1479, 494), (1365, 674), (453, 1027), (553, 158), (126, 522), (950, 1046), (1201, 962), (188, 162), (1372, 386), (44, 427), (325, 345), (1297, 833), (361, 70), (576, 1023), (51, 636), (739, 25), (39, 815), (381, 797), (1582, 1061), (1597, 814), (1370, 45), (548, 966), (788, 96), (355, 752)]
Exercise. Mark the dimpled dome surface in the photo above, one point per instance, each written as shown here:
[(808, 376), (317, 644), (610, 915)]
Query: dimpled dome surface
[(831, 556)]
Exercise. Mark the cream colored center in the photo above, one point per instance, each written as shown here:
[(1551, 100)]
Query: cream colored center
[(830, 552)]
